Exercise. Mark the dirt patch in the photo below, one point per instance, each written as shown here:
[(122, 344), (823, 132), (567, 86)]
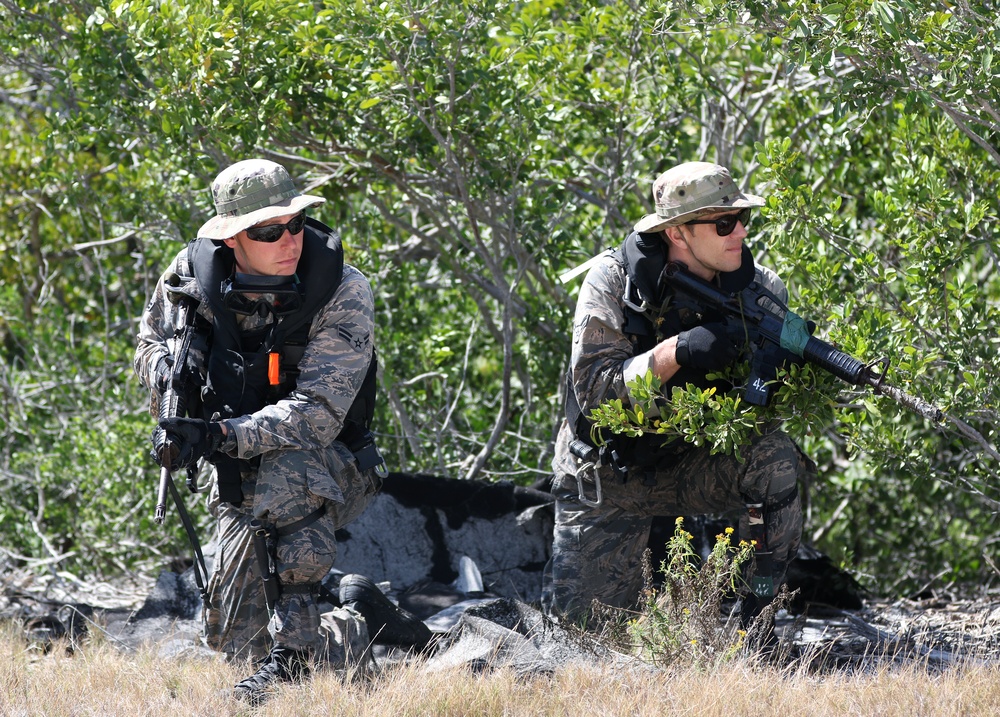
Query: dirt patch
[(938, 633)]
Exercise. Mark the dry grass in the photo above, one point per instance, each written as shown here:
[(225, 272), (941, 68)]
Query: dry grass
[(97, 679)]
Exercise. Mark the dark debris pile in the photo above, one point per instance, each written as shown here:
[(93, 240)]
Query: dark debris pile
[(937, 633)]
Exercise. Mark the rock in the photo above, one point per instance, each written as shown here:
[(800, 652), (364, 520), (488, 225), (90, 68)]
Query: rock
[(505, 633), (420, 526)]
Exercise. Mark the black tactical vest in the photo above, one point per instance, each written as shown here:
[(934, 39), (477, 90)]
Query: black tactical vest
[(238, 382), (654, 312)]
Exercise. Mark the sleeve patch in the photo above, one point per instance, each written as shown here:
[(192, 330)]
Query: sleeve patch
[(358, 343)]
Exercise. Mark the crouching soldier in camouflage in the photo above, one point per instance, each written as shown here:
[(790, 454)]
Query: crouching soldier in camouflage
[(628, 320), (284, 366)]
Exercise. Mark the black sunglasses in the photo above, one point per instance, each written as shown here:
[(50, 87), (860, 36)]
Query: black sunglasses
[(724, 225), (273, 232)]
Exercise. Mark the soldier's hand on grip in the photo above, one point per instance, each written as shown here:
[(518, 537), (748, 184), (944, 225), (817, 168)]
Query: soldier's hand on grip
[(707, 347), (183, 441)]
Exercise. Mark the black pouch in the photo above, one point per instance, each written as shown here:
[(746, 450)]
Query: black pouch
[(367, 454)]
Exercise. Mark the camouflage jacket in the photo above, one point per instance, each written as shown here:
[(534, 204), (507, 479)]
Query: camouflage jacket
[(603, 357), (332, 368)]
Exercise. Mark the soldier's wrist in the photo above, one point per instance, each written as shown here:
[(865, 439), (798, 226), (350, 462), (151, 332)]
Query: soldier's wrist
[(229, 444)]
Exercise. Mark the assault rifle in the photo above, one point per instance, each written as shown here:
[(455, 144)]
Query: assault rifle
[(769, 324), (174, 401), (178, 399)]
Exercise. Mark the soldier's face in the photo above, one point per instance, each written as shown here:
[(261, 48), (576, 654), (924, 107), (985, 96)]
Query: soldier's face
[(280, 258), (707, 252)]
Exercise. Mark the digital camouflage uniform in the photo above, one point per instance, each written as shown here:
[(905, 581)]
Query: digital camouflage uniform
[(597, 549), (301, 467)]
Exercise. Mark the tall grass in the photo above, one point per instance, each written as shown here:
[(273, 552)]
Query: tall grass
[(97, 679), (692, 665)]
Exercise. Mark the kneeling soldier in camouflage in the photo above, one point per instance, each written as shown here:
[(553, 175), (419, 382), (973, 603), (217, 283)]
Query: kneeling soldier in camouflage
[(281, 372), (629, 320)]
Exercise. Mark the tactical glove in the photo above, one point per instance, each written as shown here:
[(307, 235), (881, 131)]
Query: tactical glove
[(186, 441), (162, 373), (707, 347)]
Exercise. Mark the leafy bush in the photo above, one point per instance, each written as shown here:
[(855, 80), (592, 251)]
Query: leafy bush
[(472, 152), (680, 623)]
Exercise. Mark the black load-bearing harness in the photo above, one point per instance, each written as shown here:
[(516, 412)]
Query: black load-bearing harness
[(271, 372)]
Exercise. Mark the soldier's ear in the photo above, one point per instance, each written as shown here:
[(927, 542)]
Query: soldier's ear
[(673, 235)]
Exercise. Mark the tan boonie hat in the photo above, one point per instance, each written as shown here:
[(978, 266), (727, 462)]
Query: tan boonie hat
[(692, 190), (250, 192)]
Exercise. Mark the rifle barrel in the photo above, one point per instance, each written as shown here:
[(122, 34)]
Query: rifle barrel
[(161, 496), (842, 365)]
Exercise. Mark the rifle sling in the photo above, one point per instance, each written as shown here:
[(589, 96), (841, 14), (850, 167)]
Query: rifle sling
[(198, 566)]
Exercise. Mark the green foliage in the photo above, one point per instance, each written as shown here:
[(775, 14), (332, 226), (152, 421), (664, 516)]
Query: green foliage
[(803, 400), (679, 622), (471, 152)]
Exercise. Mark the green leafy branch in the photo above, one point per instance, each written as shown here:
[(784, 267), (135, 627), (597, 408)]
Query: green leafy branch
[(803, 398), (698, 416)]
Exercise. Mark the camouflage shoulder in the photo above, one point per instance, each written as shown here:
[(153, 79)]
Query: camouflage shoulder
[(354, 282), (772, 282), (607, 274), (352, 273)]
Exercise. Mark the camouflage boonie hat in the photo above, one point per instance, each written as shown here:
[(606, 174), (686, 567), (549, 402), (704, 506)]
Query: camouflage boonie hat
[(250, 192), (692, 190)]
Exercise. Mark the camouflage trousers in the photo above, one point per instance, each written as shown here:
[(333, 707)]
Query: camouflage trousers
[(287, 487), (597, 551)]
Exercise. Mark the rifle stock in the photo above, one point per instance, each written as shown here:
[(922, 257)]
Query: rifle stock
[(779, 327)]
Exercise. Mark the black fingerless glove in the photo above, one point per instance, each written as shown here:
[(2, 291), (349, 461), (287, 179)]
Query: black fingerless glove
[(707, 347)]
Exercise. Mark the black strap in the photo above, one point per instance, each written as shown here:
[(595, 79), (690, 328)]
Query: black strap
[(784, 500), (301, 523), (301, 589), (198, 566)]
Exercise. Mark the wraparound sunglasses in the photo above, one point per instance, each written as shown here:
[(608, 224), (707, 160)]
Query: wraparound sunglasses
[(273, 232), (724, 225)]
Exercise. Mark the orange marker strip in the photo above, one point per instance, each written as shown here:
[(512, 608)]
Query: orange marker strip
[(274, 368)]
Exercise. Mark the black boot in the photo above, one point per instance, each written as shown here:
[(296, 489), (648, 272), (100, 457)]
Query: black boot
[(751, 608), (387, 623), (283, 665)]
